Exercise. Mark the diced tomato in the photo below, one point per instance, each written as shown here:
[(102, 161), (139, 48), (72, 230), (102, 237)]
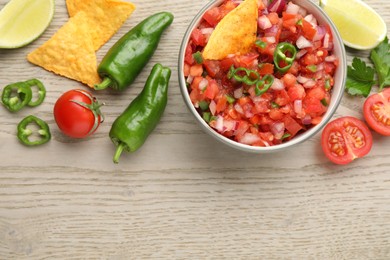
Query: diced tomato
[(213, 16), (282, 98), (266, 68), (186, 70), (276, 114), (212, 89), (296, 92), (221, 103), (289, 80), (188, 58), (198, 38), (226, 63), (273, 18), (212, 67), (308, 30), (291, 125), (196, 70)]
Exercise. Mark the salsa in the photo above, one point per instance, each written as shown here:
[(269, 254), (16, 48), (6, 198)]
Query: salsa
[(277, 90)]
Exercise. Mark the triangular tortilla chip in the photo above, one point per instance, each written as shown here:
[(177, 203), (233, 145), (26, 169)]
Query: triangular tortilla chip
[(106, 17), (69, 52), (235, 33)]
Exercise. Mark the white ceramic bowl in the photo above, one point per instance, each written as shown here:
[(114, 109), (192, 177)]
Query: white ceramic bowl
[(337, 91)]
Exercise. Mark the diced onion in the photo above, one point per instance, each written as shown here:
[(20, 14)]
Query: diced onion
[(292, 8), (219, 124), (249, 138), (264, 22), (306, 120), (326, 40), (270, 39), (213, 107), (277, 84), (302, 43), (190, 79), (237, 93), (208, 30), (239, 109), (300, 54), (311, 19), (302, 79), (203, 84), (309, 84), (330, 58), (298, 106), (277, 129), (320, 33)]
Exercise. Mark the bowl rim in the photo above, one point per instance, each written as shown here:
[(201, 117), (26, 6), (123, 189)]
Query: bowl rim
[(335, 100)]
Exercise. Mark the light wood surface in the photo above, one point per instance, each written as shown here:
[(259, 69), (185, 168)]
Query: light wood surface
[(183, 195)]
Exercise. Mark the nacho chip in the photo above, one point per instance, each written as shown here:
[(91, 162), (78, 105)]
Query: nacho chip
[(235, 33), (70, 52), (105, 16)]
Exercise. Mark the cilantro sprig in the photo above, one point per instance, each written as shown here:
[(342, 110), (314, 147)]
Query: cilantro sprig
[(360, 76)]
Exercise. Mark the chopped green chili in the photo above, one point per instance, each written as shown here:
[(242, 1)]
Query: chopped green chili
[(327, 84), (286, 135), (274, 104), (284, 56), (25, 133), (230, 99), (198, 57), (324, 102), (207, 116), (204, 105), (261, 44), (312, 68)]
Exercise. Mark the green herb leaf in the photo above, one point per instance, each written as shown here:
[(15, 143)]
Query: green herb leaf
[(360, 78), (380, 56), (198, 57)]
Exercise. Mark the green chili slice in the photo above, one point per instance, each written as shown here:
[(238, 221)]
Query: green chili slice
[(284, 56), (264, 84), (41, 92), (198, 57), (25, 133), (241, 74), (15, 96)]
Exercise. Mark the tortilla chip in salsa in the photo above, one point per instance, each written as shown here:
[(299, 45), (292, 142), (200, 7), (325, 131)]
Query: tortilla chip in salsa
[(235, 33)]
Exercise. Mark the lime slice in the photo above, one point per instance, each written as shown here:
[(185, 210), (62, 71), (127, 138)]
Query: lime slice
[(359, 25), (23, 21)]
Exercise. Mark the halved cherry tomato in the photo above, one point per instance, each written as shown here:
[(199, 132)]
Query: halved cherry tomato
[(77, 113), (345, 139), (376, 111)]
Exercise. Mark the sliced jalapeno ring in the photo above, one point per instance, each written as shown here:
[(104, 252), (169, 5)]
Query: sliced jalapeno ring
[(41, 92), (25, 133), (285, 53), (15, 96), (264, 84)]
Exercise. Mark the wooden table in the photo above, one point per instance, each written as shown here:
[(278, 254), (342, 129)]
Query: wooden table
[(183, 195)]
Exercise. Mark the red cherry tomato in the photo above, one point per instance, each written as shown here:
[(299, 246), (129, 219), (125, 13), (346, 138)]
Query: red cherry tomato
[(376, 111), (345, 139), (77, 113)]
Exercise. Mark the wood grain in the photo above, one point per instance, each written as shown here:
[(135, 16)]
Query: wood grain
[(183, 195)]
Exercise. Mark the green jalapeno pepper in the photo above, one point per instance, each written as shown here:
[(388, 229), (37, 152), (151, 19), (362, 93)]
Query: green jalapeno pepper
[(15, 96), (25, 133), (264, 84), (127, 57), (284, 56), (131, 129), (41, 92)]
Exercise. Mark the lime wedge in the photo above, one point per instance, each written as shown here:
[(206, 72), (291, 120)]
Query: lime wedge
[(360, 26), (23, 21)]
